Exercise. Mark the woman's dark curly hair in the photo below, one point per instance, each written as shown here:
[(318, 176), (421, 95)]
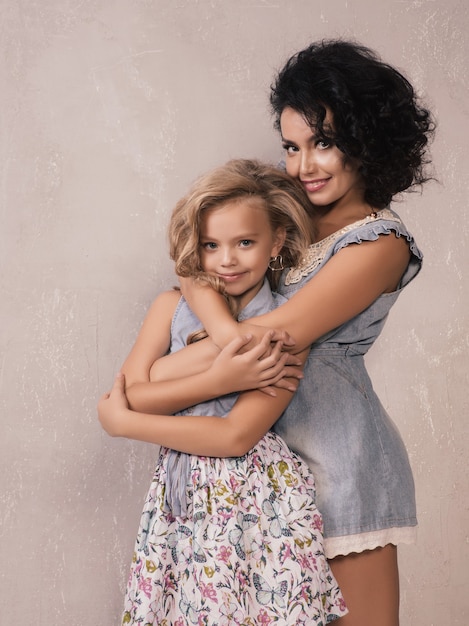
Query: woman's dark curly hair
[(375, 113)]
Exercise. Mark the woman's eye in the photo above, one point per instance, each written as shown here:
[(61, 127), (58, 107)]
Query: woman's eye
[(323, 144), (289, 149)]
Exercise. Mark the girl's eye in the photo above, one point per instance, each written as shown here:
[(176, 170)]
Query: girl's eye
[(244, 243), (209, 245)]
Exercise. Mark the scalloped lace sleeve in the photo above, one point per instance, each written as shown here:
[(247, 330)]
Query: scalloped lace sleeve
[(367, 229)]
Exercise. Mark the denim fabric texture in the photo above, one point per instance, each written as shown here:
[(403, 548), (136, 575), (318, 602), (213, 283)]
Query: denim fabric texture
[(335, 421)]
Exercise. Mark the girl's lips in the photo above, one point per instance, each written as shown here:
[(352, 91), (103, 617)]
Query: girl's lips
[(314, 185), (230, 277)]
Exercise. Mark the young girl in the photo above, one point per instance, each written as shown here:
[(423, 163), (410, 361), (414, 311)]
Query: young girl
[(224, 540), (355, 136)]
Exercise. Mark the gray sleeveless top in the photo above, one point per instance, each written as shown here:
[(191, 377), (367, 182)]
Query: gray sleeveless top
[(335, 421)]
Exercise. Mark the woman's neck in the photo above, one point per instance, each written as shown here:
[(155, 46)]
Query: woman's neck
[(333, 218)]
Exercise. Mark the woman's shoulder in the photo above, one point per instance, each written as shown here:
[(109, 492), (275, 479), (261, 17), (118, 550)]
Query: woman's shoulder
[(370, 228)]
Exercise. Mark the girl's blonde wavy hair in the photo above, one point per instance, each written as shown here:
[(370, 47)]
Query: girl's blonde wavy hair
[(286, 204)]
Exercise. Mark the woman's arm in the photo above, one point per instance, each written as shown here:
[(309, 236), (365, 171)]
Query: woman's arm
[(347, 284), (251, 417)]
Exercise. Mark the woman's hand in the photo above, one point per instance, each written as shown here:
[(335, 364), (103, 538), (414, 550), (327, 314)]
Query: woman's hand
[(258, 334), (113, 408), (257, 367)]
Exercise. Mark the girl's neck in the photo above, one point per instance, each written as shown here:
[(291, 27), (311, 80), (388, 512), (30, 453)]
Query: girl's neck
[(244, 299)]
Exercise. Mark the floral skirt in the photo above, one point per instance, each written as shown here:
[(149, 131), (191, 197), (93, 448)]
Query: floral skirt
[(249, 552)]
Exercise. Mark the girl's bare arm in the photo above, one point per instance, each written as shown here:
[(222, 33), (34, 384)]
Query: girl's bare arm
[(225, 372), (249, 420), (251, 417)]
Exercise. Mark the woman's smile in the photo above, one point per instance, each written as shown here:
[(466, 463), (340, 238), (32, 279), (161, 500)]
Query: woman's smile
[(311, 186)]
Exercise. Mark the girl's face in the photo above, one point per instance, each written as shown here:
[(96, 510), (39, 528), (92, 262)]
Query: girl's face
[(319, 165), (237, 243)]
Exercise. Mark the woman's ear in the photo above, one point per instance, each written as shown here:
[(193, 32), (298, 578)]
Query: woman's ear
[(279, 240)]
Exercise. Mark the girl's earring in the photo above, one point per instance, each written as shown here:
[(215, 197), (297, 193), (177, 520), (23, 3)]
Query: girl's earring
[(276, 263)]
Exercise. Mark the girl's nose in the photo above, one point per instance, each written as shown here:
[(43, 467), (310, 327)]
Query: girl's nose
[(228, 257)]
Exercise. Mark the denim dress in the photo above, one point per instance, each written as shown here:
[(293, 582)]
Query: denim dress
[(336, 423)]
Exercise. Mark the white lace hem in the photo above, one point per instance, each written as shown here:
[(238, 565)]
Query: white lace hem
[(341, 546)]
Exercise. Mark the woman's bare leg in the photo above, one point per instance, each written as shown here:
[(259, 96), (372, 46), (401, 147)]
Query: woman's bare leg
[(370, 585)]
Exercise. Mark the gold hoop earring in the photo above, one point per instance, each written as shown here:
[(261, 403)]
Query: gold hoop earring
[(276, 263)]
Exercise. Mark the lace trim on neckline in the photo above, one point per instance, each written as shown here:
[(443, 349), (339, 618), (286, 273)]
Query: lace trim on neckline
[(317, 251)]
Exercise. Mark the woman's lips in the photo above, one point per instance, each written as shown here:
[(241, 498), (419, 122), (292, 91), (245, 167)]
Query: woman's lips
[(314, 185)]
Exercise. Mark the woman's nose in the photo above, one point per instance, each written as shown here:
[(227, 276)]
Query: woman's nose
[(307, 162)]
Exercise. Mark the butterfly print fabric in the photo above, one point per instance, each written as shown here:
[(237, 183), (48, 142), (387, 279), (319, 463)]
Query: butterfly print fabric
[(248, 553)]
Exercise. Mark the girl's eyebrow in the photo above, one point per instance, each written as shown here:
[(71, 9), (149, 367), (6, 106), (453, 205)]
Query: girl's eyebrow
[(246, 235)]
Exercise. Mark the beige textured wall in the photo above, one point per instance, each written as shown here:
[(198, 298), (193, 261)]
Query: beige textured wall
[(109, 108)]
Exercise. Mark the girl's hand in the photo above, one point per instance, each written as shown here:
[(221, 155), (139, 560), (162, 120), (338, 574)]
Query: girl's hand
[(291, 373), (113, 408), (258, 367)]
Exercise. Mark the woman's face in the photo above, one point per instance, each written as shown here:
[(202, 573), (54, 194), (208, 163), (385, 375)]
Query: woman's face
[(317, 164)]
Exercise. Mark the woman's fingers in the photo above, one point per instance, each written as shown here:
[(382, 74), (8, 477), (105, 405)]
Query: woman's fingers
[(284, 337), (284, 383), (292, 359)]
